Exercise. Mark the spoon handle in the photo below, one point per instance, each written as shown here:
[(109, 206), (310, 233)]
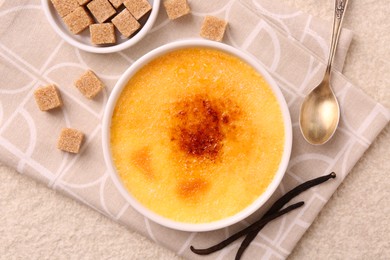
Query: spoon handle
[(339, 10)]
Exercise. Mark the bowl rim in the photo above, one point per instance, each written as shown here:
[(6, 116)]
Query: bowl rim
[(106, 124), (66, 35)]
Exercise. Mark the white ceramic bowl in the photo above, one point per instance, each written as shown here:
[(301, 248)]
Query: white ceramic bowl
[(83, 40), (107, 123)]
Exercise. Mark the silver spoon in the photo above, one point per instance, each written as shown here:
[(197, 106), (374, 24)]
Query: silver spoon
[(320, 112)]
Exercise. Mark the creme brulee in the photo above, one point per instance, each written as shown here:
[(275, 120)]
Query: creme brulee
[(197, 135)]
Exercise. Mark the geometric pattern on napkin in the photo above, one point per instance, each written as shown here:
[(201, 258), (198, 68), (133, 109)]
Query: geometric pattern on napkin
[(290, 44)]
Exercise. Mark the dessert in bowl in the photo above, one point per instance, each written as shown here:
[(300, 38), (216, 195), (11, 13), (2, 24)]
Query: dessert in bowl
[(197, 135)]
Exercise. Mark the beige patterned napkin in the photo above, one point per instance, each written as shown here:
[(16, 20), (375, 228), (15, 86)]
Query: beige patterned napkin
[(289, 43)]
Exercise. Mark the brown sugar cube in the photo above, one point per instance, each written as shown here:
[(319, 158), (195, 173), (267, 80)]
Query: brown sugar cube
[(65, 7), (138, 8), (70, 140), (213, 28), (89, 84), (83, 2), (47, 97), (77, 20), (116, 3), (101, 10), (126, 23), (102, 33), (176, 8)]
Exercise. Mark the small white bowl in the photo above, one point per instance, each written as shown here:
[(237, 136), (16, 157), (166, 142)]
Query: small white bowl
[(107, 124), (83, 40)]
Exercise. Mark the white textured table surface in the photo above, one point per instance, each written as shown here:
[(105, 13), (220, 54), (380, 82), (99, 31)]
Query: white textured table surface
[(37, 223)]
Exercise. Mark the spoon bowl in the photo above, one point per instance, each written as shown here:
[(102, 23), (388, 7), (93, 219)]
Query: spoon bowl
[(320, 114)]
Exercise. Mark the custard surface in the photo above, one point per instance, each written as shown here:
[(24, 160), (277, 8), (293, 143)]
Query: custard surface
[(197, 135)]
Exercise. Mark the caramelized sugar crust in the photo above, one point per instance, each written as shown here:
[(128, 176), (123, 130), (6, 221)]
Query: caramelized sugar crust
[(201, 124)]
